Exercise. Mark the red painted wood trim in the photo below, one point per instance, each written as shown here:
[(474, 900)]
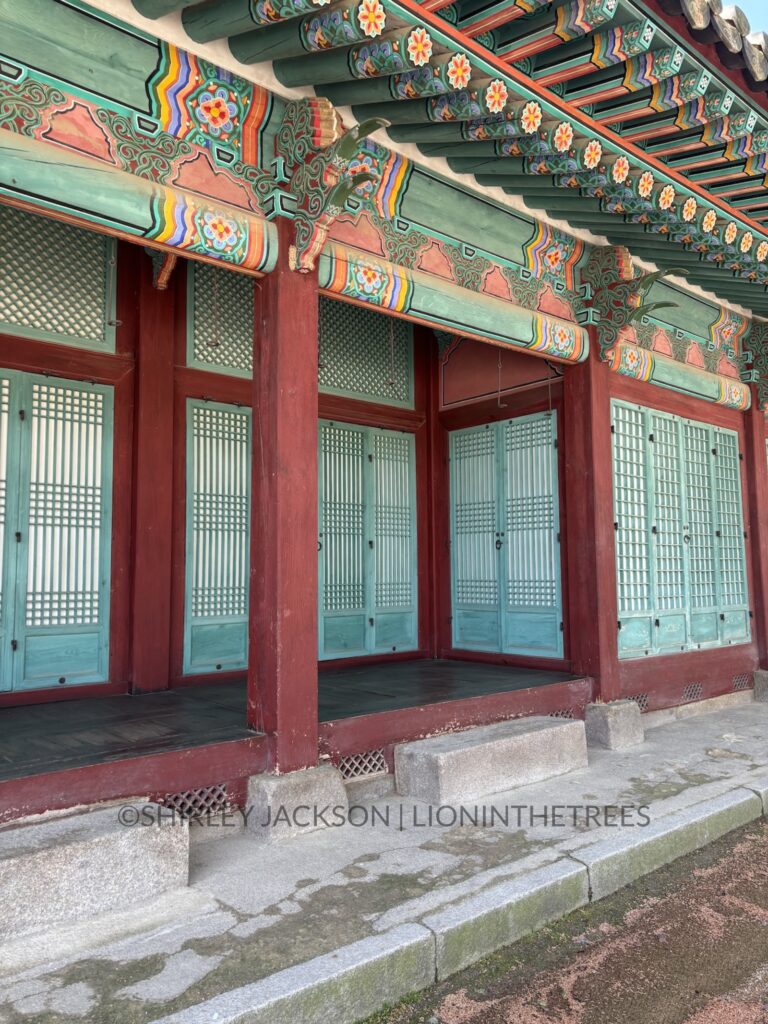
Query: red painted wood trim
[(282, 676), (153, 476), (513, 660), (368, 732), (368, 414), (30, 356), (568, 110), (588, 524), (171, 772), (664, 676)]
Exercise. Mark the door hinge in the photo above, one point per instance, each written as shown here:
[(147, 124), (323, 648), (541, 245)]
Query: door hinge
[(554, 443), (650, 437), (619, 624), (370, 622), (613, 429), (562, 628), (14, 645), (18, 537), (615, 524), (22, 414)]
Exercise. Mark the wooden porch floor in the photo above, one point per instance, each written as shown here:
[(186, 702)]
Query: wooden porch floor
[(40, 738)]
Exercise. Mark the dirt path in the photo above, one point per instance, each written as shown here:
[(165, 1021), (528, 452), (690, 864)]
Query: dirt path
[(687, 945)]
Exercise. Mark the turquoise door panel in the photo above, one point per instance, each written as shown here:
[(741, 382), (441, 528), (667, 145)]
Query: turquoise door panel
[(62, 564), (367, 541), (679, 533), (218, 496), (475, 530), (505, 537), (635, 635), (532, 613)]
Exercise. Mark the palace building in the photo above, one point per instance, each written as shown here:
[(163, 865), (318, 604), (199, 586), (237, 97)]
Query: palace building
[(370, 369)]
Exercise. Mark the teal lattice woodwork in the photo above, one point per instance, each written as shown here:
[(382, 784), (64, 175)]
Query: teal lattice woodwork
[(56, 470), (59, 285), (367, 541), (680, 561), (220, 320), (364, 354), (217, 537), (505, 550)]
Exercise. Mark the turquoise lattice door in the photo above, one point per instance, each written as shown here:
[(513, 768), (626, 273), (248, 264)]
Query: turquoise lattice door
[(217, 537), (56, 458), (367, 541), (505, 549)]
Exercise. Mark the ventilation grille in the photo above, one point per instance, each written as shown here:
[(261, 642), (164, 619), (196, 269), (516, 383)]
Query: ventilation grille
[(193, 804), (743, 681), (56, 281), (641, 699), (364, 354), (363, 766), (220, 320), (562, 713), (692, 691)]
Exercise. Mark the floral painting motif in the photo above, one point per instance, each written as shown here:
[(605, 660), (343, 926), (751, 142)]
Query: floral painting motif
[(592, 154), (222, 233), (747, 240), (667, 197), (563, 138), (762, 252), (459, 71), (709, 221), (365, 164), (217, 111), (371, 18), (419, 47), (690, 206), (620, 170), (556, 338), (530, 119), (645, 185), (730, 233), (369, 279), (496, 96), (554, 256)]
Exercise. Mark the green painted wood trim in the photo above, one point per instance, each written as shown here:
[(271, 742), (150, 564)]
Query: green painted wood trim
[(158, 8)]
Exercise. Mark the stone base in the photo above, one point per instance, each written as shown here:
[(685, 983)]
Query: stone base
[(284, 806), (761, 685), (67, 870), (463, 766), (615, 726)]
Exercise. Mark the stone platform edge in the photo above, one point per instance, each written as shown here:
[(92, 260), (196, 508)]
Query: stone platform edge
[(355, 981)]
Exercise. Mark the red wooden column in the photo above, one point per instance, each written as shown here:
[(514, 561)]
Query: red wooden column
[(282, 674), (153, 476), (756, 473), (589, 523)]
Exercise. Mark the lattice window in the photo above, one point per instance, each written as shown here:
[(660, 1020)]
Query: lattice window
[(57, 282), (220, 320), (641, 699), (365, 354), (363, 766), (631, 504), (475, 497), (342, 451), (393, 520), (218, 536), (65, 507), (668, 513), (742, 681), (4, 403), (532, 553), (733, 581), (692, 692), (701, 550)]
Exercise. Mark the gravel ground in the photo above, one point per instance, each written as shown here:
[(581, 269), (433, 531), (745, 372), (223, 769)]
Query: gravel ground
[(686, 945)]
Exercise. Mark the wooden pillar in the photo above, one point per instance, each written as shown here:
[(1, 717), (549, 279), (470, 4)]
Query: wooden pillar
[(153, 475), (756, 474), (589, 524), (282, 675)]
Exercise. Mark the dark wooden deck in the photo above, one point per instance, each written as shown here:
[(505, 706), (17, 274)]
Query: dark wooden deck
[(40, 738)]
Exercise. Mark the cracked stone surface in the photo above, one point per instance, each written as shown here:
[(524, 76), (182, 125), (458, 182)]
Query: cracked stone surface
[(255, 908)]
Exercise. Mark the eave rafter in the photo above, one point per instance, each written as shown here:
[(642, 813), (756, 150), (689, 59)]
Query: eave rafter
[(606, 122)]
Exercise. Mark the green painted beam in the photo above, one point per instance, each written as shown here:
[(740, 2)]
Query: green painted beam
[(158, 8)]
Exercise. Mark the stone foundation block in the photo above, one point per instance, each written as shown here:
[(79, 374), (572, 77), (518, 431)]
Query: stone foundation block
[(761, 685), (615, 726), (70, 869), (285, 806), (464, 766)]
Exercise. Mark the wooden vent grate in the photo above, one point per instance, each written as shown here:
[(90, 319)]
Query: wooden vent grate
[(742, 681), (640, 699), (692, 691), (363, 766), (193, 804), (562, 713)]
